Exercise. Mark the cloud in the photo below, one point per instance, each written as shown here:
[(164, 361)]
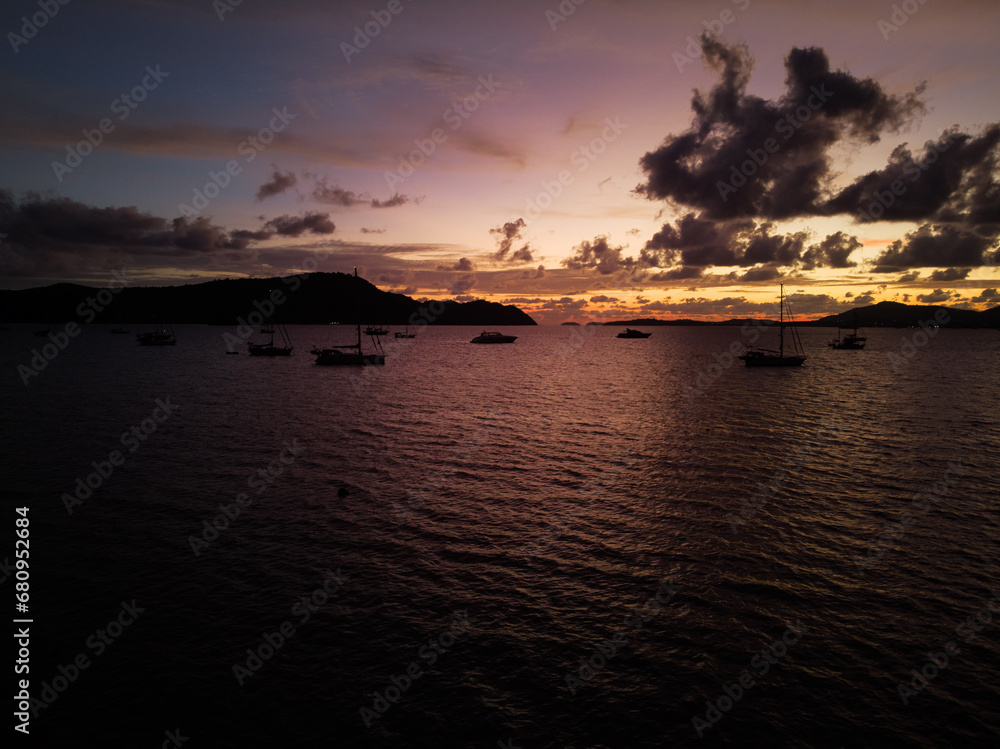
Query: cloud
[(293, 226), (395, 200), (600, 256), (988, 296), (783, 144), (48, 235), (366, 230), (464, 264), (940, 246), (935, 297), (602, 299), (335, 195), (278, 184), (832, 252), (534, 275), (507, 235), (954, 180), (950, 274)]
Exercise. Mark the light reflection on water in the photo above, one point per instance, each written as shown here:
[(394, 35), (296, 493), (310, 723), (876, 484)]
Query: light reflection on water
[(546, 487)]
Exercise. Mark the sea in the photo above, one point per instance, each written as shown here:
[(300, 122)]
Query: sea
[(569, 541)]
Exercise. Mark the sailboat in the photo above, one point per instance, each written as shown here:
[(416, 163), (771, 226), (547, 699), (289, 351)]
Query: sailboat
[(352, 354), (268, 348), (851, 340), (771, 358), (161, 336), (407, 334)]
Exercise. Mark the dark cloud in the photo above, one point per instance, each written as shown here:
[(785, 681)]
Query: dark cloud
[(935, 297), (953, 180), (600, 256), (946, 275), (940, 246), (293, 226), (602, 299), (506, 236), (462, 284), (59, 236), (988, 296), (782, 144), (335, 195), (366, 230), (464, 265), (534, 275), (699, 242), (832, 252), (395, 200), (278, 184)]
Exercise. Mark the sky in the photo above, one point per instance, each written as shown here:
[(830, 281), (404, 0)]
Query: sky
[(583, 159)]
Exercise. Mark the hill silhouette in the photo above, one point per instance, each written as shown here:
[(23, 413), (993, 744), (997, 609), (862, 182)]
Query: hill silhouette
[(310, 298)]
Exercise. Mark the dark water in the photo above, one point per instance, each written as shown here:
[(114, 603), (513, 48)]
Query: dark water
[(512, 512)]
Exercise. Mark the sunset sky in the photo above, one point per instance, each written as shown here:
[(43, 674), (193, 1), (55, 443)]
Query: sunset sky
[(582, 160)]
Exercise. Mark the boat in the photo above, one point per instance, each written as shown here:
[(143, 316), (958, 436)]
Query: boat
[(851, 341), (268, 348), (493, 337), (407, 334), (770, 358), (352, 354), (629, 333), (120, 331), (375, 330), (162, 336)]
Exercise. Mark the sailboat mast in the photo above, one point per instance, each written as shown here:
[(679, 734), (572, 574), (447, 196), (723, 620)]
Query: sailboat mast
[(781, 315), (357, 306)]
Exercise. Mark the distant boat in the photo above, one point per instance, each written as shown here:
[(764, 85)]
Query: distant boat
[(268, 348), (161, 336), (771, 358), (493, 337), (629, 333), (407, 334), (851, 340), (119, 331), (352, 354), (375, 330)]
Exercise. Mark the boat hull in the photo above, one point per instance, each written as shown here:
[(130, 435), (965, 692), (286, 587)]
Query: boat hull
[(270, 351), (350, 360), (772, 361)]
